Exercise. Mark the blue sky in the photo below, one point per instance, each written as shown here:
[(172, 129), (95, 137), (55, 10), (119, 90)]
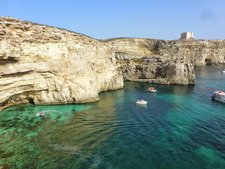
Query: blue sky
[(102, 19)]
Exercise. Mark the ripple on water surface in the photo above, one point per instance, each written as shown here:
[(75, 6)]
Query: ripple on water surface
[(180, 127)]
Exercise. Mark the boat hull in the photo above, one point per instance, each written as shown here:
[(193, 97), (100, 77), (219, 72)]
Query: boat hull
[(217, 99), (152, 91), (141, 102)]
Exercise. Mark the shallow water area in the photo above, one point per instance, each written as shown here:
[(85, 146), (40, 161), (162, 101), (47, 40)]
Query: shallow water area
[(180, 127)]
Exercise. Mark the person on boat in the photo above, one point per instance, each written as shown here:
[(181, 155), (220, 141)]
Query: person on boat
[(219, 92)]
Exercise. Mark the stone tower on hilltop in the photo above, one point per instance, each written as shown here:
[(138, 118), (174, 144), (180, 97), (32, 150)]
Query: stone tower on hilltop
[(187, 35)]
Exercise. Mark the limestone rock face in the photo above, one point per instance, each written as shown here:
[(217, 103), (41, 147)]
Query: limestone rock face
[(156, 70), (146, 60), (198, 52), (166, 62), (46, 65)]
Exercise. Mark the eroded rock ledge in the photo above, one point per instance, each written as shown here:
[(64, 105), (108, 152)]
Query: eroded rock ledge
[(46, 65)]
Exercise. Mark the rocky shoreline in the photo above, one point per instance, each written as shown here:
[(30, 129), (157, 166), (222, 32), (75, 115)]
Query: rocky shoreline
[(47, 65)]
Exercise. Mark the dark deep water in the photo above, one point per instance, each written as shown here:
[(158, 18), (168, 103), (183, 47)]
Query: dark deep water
[(180, 128)]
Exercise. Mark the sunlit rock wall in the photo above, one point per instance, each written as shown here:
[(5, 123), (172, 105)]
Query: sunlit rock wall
[(47, 65)]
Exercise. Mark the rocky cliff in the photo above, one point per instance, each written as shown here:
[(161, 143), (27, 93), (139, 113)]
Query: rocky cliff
[(46, 65), (146, 60), (166, 62)]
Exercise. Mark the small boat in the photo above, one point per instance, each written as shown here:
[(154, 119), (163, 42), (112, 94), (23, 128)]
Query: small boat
[(152, 89), (41, 114), (219, 96), (223, 71), (141, 101)]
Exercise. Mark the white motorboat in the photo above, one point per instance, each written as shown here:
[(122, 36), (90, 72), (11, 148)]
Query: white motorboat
[(141, 101), (152, 89), (219, 96), (223, 71)]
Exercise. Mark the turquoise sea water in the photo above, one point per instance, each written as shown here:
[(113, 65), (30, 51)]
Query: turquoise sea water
[(180, 128)]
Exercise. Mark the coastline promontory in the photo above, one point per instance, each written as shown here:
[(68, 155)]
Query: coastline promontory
[(47, 65)]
